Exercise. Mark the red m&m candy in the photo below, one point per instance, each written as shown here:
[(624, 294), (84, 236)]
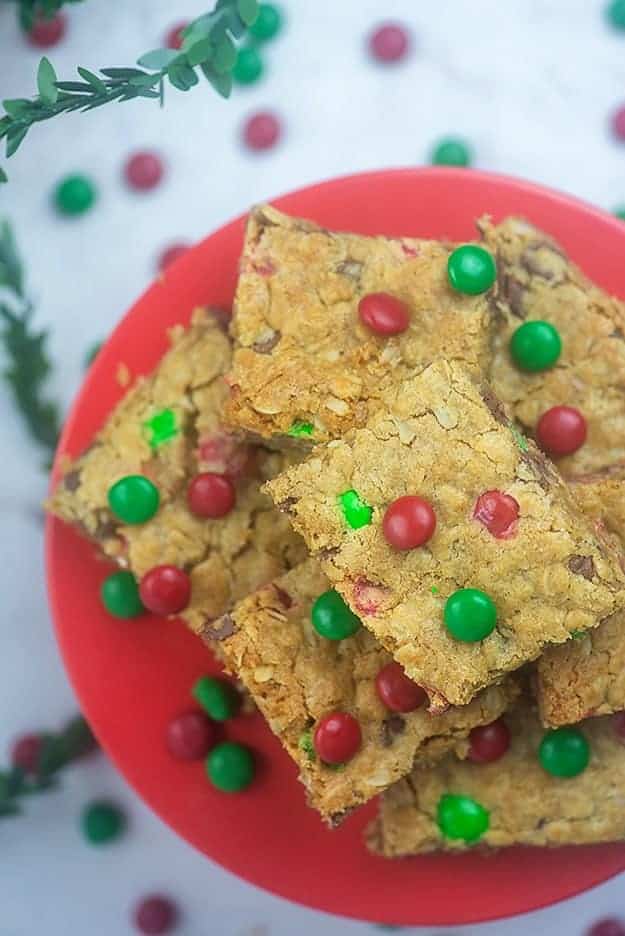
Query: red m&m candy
[(337, 738), (489, 742), (498, 512), (191, 736), (211, 495), (396, 691), (384, 314), (170, 254), (173, 36), (608, 926), (261, 131), (155, 915), (561, 430), (409, 522), (143, 170), (389, 43), (25, 752), (165, 589), (47, 31)]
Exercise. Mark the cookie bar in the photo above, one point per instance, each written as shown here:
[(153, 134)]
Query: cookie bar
[(586, 676), (512, 565), (168, 428), (536, 280), (304, 363), (296, 677), (514, 800)]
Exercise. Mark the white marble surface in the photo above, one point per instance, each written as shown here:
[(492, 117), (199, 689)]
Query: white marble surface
[(530, 82)]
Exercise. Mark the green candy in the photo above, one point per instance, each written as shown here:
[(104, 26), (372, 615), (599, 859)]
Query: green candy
[(230, 767), (620, 213), (451, 152), (564, 752), (162, 427), (357, 514), (102, 822), (268, 23), (471, 269), (615, 14), (120, 595), (331, 617), (74, 195), (133, 499), (301, 429), (460, 817), (470, 615), (218, 698), (535, 346), (248, 67)]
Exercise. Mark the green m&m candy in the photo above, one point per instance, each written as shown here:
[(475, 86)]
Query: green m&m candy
[(470, 615), (268, 23), (460, 817), (535, 346), (102, 822), (74, 195), (471, 269), (451, 152), (120, 595), (357, 514), (248, 67), (133, 499), (331, 617), (217, 697), (564, 752), (615, 13), (230, 767)]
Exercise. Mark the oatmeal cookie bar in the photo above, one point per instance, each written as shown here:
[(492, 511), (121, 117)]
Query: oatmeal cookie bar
[(516, 800), (168, 429), (296, 677), (304, 363), (508, 564)]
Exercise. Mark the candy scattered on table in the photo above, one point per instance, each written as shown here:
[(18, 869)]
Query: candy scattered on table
[(268, 23), (561, 430), (102, 822), (470, 615), (618, 123), (120, 595), (74, 195), (535, 346), (169, 255), (261, 131), (173, 36), (615, 13), (47, 31), (396, 691), (218, 698), (608, 926), (165, 590), (460, 817), (487, 743), (332, 618), (249, 66), (452, 152), (133, 499), (564, 752), (471, 269), (409, 522), (337, 738), (389, 43), (190, 736), (211, 495), (155, 914), (384, 314), (357, 514), (143, 170), (498, 512), (230, 767), (25, 752)]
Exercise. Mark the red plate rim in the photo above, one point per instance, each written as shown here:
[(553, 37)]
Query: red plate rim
[(123, 672)]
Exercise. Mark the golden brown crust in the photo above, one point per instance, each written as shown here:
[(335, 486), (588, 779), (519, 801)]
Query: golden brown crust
[(301, 352)]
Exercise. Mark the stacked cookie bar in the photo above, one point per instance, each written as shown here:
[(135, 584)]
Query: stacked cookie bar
[(391, 500)]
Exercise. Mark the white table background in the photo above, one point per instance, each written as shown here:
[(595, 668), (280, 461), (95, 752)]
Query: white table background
[(531, 83)]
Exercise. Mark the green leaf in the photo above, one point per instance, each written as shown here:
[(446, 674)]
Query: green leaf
[(96, 83), (144, 81), (182, 77), (225, 56), (3, 176), (17, 107), (248, 11), (158, 58), (11, 273), (221, 83), (200, 51), (123, 73), (236, 25), (46, 77), (14, 139)]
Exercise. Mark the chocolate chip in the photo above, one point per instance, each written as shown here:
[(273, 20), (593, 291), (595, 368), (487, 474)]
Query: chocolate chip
[(328, 552), (286, 506), (535, 264), (494, 405), (268, 343), (283, 597), (389, 729), (337, 818), (222, 317), (582, 565), (350, 267), (513, 292), (618, 333), (106, 526), (219, 628), (71, 481)]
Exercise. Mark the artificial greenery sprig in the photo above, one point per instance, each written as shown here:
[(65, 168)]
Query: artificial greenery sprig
[(30, 10), (208, 47), (55, 752), (25, 347)]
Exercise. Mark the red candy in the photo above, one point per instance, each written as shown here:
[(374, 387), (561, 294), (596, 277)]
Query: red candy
[(165, 589), (498, 512), (561, 430), (489, 742), (222, 453), (47, 32), (396, 691), (173, 36), (211, 495), (155, 914), (618, 724), (143, 171), (409, 522), (337, 738), (171, 253), (261, 131), (384, 314), (618, 123), (609, 926), (389, 42), (25, 752), (191, 736)]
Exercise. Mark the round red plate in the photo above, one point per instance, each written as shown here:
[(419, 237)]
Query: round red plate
[(133, 676)]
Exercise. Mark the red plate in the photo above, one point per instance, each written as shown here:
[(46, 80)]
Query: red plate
[(133, 676)]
